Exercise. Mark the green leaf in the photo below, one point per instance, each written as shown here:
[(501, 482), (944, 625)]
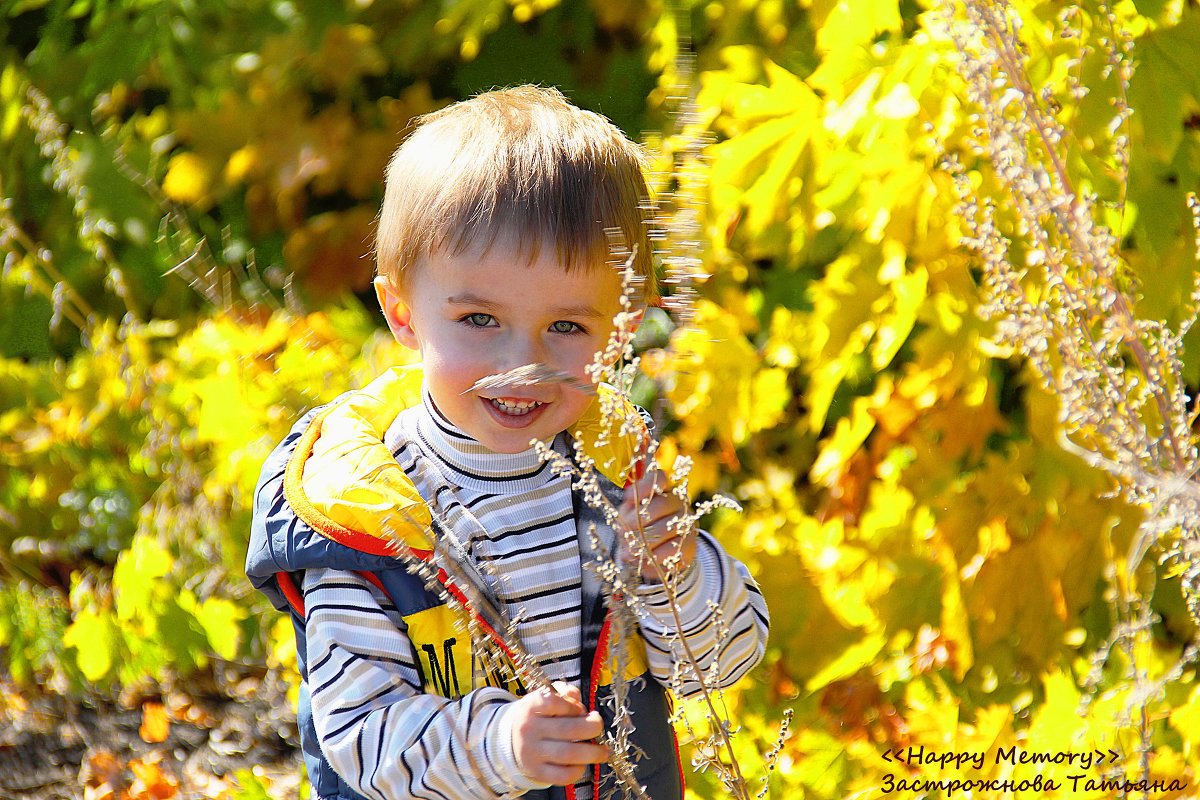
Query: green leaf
[(183, 640), (220, 619), (137, 574), (96, 639), (250, 786), (1157, 92)]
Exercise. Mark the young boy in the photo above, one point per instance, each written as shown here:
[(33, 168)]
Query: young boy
[(493, 253)]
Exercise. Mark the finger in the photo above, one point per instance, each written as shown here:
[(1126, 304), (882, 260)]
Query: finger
[(630, 552), (657, 553), (556, 775), (652, 482), (652, 510), (681, 547), (553, 703), (567, 691), (571, 754), (570, 693), (667, 548), (547, 730), (662, 509), (661, 524), (645, 542), (579, 729), (647, 511)]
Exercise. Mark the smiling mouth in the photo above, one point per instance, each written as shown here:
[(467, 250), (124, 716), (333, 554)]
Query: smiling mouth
[(515, 408)]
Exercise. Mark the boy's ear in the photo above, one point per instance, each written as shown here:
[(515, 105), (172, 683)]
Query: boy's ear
[(397, 313)]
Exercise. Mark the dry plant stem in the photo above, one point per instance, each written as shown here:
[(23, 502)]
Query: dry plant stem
[(617, 740), (59, 297), (1120, 378), (473, 588), (530, 375), (1002, 37), (71, 304), (208, 290), (94, 231), (184, 265), (1116, 427), (1155, 469), (528, 672), (667, 578), (773, 756), (1119, 60)]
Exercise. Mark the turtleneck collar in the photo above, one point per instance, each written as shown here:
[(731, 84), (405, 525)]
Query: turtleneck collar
[(473, 465)]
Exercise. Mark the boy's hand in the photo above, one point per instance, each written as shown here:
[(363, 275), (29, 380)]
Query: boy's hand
[(650, 504), (551, 733)]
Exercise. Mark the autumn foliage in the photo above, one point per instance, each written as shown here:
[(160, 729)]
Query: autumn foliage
[(187, 193)]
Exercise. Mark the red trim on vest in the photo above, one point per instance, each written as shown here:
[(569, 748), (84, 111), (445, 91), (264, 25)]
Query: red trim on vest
[(295, 598), (287, 585), (679, 763), (675, 741), (600, 657)]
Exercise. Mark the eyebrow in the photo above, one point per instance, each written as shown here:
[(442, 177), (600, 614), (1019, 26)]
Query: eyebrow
[(470, 299)]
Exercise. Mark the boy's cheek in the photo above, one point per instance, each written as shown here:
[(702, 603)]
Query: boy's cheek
[(455, 375)]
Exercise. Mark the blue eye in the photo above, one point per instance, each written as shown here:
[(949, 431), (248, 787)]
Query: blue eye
[(478, 320), (563, 326)]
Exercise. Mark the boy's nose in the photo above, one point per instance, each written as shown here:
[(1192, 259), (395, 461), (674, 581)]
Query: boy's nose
[(523, 350)]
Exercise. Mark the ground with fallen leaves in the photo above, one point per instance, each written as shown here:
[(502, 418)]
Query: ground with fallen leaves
[(231, 737)]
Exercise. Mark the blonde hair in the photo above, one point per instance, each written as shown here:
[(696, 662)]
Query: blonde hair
[(521, 163)]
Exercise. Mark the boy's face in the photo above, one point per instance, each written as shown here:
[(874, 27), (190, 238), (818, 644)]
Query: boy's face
[(481, 313)]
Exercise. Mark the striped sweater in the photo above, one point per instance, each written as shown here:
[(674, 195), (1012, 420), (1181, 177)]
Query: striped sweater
[(380, 731)]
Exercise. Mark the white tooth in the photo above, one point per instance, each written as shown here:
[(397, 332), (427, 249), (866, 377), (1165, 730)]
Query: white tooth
[(516, 407)]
